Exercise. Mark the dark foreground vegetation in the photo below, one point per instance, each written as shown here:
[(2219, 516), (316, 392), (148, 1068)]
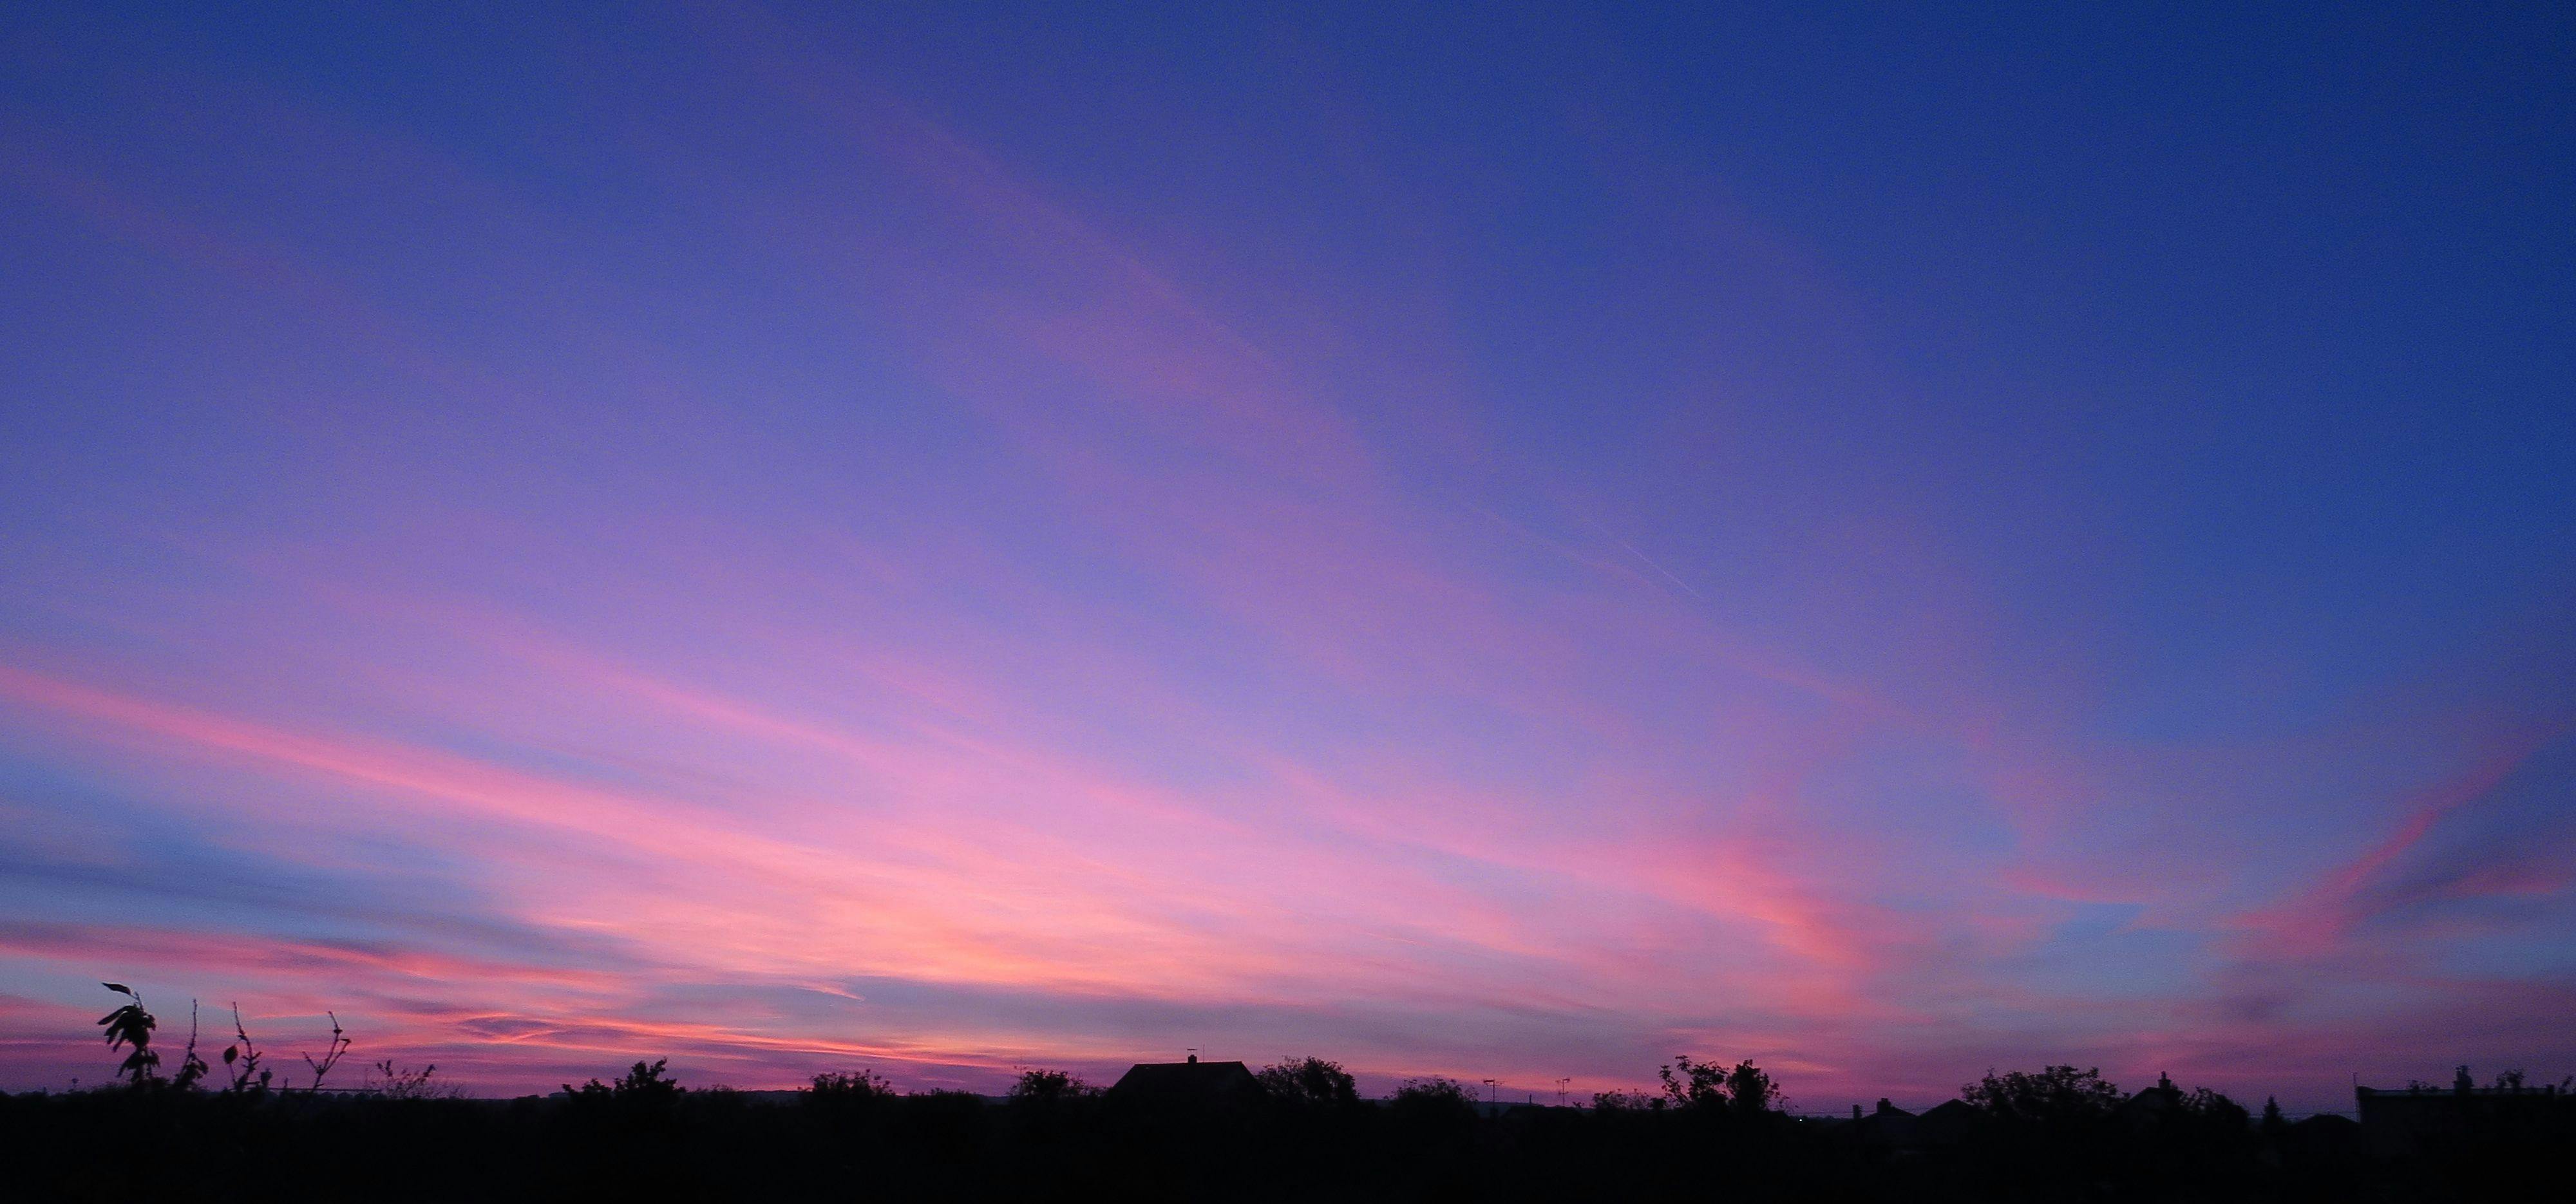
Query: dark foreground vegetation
[(226, 1130)]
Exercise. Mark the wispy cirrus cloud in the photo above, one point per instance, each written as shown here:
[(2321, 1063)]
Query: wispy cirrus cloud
[(790, 568)]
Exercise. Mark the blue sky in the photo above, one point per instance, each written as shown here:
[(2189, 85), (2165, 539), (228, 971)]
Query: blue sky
[(1477, 540)]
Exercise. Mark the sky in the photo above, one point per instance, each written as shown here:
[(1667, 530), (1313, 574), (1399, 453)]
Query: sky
[(1497, 542)]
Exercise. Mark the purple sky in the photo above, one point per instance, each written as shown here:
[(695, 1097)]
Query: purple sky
[(1503, 544)]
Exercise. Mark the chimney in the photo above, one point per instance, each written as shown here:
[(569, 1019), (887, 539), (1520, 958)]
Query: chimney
[(1194, 1060), (1884, 1105), (1856, 1110)]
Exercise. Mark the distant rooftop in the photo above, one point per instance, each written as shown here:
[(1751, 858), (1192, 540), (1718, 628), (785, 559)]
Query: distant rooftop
[(1190, 1082)]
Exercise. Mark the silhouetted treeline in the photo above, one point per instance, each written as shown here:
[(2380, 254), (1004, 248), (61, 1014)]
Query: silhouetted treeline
[(851, 1137), (1297, 1129)]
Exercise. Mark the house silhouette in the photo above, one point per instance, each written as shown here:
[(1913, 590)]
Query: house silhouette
[(1947, 1123), (2420, 1118), (2154, 1106), (1186, 1085), (1889, 1127)]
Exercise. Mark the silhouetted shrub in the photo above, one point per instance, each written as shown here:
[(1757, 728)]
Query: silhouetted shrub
[(397, 1082), (1309, 1082), (1432, 1109), (1435, 1093), (644, 1096), (1628, 1101), (1046, 1087), (850, 1087), (2056, 1095)]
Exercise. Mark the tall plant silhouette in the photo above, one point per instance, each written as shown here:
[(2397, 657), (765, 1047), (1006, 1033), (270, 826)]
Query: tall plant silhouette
[(242, 1057), (132, 1025), (331, 1057), (191, 1067)]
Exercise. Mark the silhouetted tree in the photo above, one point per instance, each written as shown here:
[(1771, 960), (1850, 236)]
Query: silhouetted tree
[(1434, 1089), (1430, 1113), (1628, 1101), (845, 1097), (1042, 1087), (642, 1084), (1309, 1081), (1689, 1084), (1742, 1089), (2211, 1108), (835, 1086), (2055, 1095), (1750, 1091)]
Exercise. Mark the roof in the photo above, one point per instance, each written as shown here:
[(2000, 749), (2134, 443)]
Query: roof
[(2162, 1097), (1186, 1082), (2548, 1093), (1946, 1122), (1889, 1125)]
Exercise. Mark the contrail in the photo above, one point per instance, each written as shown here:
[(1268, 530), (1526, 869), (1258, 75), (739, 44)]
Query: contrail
[(1650, 563)]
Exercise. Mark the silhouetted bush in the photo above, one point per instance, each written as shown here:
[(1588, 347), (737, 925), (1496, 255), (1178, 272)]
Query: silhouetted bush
[(1431, 1112), (848, 1087), (1309, 1082), (399, 1082), (1042, 1088), (642, 1087), (2058, 1095), (1628, 1101), (1433, 1096)]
